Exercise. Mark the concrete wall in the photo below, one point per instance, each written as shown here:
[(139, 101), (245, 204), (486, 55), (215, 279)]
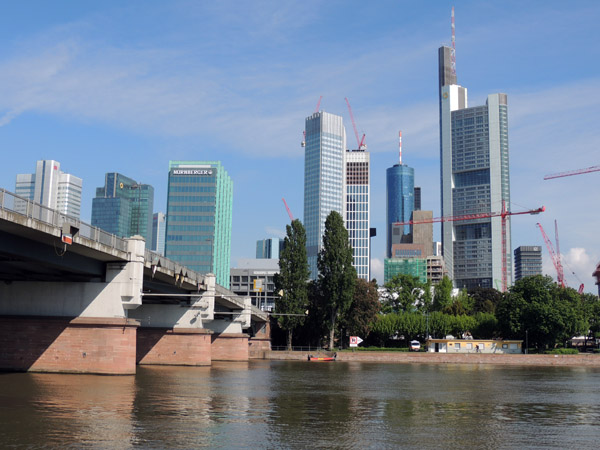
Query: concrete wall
[(80, 345)]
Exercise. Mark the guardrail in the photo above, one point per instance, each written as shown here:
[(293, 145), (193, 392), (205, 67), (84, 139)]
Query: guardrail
[(27, 208)]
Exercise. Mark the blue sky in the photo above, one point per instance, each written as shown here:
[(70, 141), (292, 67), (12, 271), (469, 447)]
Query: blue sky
[(127, 86)]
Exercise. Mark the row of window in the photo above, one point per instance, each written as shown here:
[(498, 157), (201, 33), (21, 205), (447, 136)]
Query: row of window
[(189, 209)]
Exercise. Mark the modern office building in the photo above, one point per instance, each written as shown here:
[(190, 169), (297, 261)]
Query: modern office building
[(474, 179), (323, 178), (268, 248), (199, 217), (357, 182), (528, 261), (254, 278), (417, 198), (123, 207), (400, 195), (51, 187), (159, 229)]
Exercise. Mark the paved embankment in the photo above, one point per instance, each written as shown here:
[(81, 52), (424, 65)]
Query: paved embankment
[(588, 360)]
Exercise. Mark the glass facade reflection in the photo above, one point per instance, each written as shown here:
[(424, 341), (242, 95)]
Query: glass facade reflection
[(323, 178), (199, 217), (400, 191), (124, 207), (356, 207)]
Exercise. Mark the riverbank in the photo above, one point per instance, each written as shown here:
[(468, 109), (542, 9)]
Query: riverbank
[(587, 360)]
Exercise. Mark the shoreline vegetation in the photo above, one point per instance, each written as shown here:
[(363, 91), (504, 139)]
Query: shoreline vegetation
[(583, 360)]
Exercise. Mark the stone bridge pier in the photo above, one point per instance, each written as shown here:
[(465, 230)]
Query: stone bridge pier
[(50, 326)]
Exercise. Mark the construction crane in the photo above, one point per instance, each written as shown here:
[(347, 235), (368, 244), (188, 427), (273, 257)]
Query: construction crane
[(572, 172), (288, 210), (360, 142), (554, 257), (303, 143), (557, 258), (502, 214)]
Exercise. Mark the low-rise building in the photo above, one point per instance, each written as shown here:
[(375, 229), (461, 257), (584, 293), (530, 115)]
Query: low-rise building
[(474, 346), (254, 278)]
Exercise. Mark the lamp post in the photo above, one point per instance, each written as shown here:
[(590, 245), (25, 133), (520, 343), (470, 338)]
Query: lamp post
[(526, 342)]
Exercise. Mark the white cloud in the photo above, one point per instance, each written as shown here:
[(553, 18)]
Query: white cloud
[(377, 270)]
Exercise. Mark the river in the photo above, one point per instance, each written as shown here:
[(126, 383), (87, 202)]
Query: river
[(298, 404)]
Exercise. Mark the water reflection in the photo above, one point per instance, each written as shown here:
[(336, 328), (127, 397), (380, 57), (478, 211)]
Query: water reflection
[(287, 404)]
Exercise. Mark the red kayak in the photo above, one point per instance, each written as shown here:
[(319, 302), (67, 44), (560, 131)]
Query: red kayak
[(322, 358)]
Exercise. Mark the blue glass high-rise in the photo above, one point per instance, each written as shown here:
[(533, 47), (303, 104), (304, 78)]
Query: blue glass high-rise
[(400, 192)]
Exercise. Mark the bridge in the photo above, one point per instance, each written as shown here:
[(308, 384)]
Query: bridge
[(74, 298)]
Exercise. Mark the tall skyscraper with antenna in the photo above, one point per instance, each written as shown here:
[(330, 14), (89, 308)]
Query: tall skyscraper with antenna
[(474, 172)]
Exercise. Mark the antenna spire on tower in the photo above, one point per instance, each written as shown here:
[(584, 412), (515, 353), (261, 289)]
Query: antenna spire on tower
[(400, 147), (453, 51)]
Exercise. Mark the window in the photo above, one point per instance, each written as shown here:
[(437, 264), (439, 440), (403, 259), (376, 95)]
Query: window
[(513, 346), (457, 346), (481, 346), (469, 346), (504, 345)]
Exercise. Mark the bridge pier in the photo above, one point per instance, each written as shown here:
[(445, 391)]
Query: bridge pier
[(73, 327)]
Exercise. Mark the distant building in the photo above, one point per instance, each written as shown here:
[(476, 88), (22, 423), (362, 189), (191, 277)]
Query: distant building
[(51, 187), (159, 229), (254, 278), (400, 192), (435, 269), (325, 148), (415, 266), (528, 261), (357, 182), (268, 248), (417, 198), (199, 217), (123, 207), (474, 179)]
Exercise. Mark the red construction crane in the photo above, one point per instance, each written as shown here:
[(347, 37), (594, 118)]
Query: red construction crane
[(572, 172), (502, 214), (557, 258), (554, 256), (360, 142), (288, 210), (318, 104)]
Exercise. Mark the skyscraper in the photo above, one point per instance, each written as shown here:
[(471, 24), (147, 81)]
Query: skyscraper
[(199, 216), (400, 193), (123, 207), (268, 248), (528, 261), (159, 228), (51, 187), (357, 184), (474, 179), (323, 178)]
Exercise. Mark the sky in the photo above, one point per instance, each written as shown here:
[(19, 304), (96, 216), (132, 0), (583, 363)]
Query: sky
[(127, 86)]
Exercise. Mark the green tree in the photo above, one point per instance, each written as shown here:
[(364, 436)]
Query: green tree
[(291, 281), (549, 314), (442, 296), (364, 309), (337, 276), (460, 305), (485, 300)]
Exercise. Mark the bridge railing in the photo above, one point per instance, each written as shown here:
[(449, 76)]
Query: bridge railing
[(33, 210)]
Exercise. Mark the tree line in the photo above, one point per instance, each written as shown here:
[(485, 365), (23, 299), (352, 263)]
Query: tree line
[(338, 304)]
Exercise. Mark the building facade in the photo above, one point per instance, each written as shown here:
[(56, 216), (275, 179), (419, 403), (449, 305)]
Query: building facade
[(357, 215), (124, 207), (199, 217), (51, 187), (159, 229), (268, 248), (474, 179), (254, 278), (400, 196), (323, 178), (528, 261)]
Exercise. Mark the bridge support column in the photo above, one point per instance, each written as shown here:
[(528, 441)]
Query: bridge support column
[(174, 346), (68, 345), (230, 347)]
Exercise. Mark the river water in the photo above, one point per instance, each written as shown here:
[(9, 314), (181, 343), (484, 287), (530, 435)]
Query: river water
[(298, 404)]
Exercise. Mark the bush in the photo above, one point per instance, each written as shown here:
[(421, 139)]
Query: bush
[(380, 349), (562, 351)]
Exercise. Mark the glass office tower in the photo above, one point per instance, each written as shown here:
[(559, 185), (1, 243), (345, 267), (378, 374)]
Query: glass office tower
[(199, 217), (323, 178), (159, 224), (474, 179), (356, 209), (400, 192), (528, 261), (124, 207)]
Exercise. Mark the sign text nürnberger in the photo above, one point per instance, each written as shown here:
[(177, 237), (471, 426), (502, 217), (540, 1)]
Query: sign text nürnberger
[(192, 172)]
